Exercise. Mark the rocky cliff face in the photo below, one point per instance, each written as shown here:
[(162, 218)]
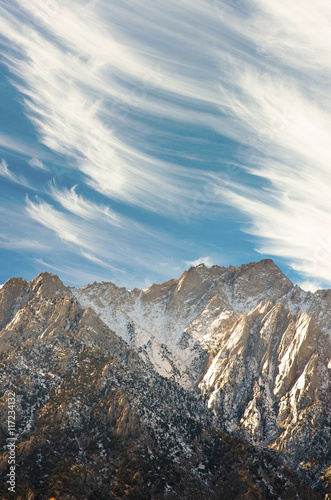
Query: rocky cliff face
[(128, 394), (254, 344)]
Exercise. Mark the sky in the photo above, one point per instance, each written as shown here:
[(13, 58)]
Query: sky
[(138, 138)]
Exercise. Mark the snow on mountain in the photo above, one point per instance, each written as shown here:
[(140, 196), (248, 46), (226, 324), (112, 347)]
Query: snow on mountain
[(155, 320), (93, 420), (254, 344)]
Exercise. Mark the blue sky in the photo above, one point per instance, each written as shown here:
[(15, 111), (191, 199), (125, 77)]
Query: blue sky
[(138, 138)]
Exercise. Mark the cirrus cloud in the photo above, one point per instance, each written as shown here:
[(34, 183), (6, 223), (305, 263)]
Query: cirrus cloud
[(118, 93)]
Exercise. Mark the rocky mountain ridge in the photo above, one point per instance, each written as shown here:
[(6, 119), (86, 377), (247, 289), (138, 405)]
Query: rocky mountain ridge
[(255, 345), (127, 394)]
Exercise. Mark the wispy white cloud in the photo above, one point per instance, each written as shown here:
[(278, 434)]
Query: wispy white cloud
[(96, 77), (310, 286), (207, 261), (22, 147), (102, 263), (289, 227), (37, 163), (19, 232), (67, 229), (82, 275), (8, 174), (13, 242), (76, 204), (296, 34), (65, 82), (100, 241), (280, 108)]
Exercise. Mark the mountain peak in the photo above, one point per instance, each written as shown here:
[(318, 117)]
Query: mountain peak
[(254, 350), (261, 265), (14, 283), (49, 285), (11, 296)]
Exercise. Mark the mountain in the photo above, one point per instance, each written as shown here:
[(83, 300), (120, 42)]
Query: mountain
[(256, 346), (211, 386)]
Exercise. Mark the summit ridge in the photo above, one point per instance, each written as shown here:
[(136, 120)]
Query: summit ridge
[(188, 386)]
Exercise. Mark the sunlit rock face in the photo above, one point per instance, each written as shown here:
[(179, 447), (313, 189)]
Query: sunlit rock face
[(255, 345), (194, 388)]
